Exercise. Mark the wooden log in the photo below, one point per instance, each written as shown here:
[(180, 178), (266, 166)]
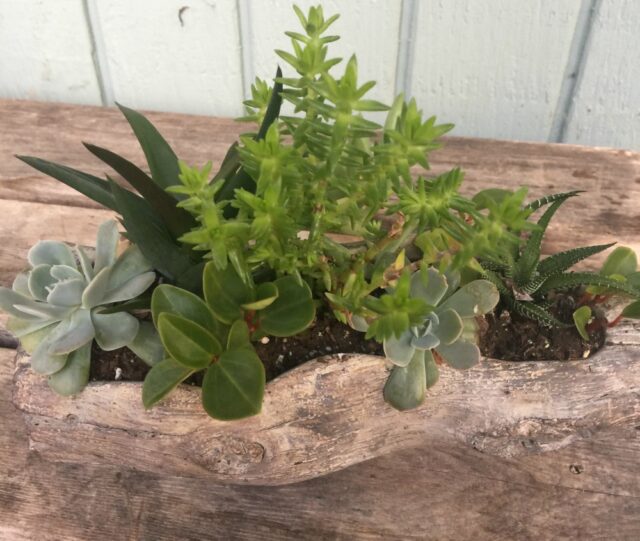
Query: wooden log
[(329, 414)]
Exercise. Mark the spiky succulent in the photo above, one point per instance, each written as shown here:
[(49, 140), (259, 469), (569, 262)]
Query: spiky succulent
[(524, 280), (60, 305), (444, 325)]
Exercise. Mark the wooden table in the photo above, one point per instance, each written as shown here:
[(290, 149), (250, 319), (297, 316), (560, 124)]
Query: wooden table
[(587, 490)]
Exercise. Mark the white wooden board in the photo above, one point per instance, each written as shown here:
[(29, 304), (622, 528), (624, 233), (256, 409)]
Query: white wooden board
[(45, 52), (606, 111), (174, 55), (493, 67)]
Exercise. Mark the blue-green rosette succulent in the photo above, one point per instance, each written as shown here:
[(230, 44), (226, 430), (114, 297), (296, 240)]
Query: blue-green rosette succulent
[(57, 308), (448, 330)]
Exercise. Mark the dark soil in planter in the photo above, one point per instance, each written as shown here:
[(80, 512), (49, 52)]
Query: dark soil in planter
[(503, 335)]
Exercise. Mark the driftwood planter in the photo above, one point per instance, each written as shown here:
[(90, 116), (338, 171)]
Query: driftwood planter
[(328, 414)]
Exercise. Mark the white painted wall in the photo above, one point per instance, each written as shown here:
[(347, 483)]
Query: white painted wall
[(541, 70)]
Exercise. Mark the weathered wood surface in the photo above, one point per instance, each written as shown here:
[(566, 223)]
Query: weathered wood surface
[(329, 414), (587, 489)]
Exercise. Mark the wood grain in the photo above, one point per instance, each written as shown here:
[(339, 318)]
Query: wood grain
[(585, 490)]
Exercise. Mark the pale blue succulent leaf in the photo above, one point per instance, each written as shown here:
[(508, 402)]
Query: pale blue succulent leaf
[(8, 300), (43, 311), (106, 245), (431, 369), (85, 264), (129, 265), (51, 252), (427, 341), (451, 326), (94, 293), (74, 376), (428, 285), (64, 272), (21, 284), (113, 331), (399, 350), (31, 340), (131, 289), (22, 327), (460, 354), (473, 299), (147, 344), (40, 282), (43, 360), (406, 386), (67, 293), (80, 331)]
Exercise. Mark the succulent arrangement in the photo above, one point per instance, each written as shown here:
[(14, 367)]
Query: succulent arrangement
[(253, 250)]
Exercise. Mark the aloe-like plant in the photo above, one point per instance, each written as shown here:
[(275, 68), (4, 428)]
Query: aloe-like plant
[(61, 305), (524, 280)]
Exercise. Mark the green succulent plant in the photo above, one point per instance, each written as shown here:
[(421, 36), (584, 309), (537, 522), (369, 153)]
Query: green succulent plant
[(442, 323), (524, 280), (621, 265), (214, 335), (60, 306)]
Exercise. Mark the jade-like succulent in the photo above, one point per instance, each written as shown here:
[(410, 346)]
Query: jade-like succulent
[(60, 305), (448, 330)]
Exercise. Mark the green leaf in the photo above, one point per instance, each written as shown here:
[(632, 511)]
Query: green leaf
[(114, 331), (187, 342), (293, 310), (225, 292), (177, 220), (93, 187), (431, 369), (273, 108), (239, 336), (233, 387), (450, 326), (162, 379), (75, 374), (473, 299), (491, 196), (632, 310), (565, 260), (581, 318), (146, 230), (536, 313), (162, 160), (535, 205), (147, 344), (622, 260), (266, 293), (168, 299), (406, 386), (229, 165), (399, 351), (461, 354)]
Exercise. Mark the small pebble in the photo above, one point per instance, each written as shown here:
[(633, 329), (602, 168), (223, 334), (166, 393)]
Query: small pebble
[(586, 353), (264, 340), (118, 373)]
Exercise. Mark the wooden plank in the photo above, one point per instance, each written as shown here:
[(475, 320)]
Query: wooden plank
[(22, 225), (368, 28), (46, 52), (427, 492), (187, 60), (606, 110), (493, 67)]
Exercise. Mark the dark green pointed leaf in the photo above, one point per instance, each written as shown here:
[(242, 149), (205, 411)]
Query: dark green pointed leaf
[(233, 386), (162, 160), (225, 292), (273, 109), (146, 230), (293, 310), (229, 164), (547, 199), (565, 260), (574, 279), (93, 187), (177, 220), (187, 342), (162, 379), (536, 313)]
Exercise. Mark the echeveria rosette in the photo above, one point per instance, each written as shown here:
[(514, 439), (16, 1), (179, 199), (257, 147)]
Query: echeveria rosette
[(449, 330), (57, 307)]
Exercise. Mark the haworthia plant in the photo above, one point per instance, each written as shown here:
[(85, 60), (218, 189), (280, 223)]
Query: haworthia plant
[(58, 307)]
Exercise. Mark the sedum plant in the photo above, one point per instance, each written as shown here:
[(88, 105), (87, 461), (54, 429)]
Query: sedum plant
[(60, 306)]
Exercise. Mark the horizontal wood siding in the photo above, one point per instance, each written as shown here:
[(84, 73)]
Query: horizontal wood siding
[(544, 70)]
